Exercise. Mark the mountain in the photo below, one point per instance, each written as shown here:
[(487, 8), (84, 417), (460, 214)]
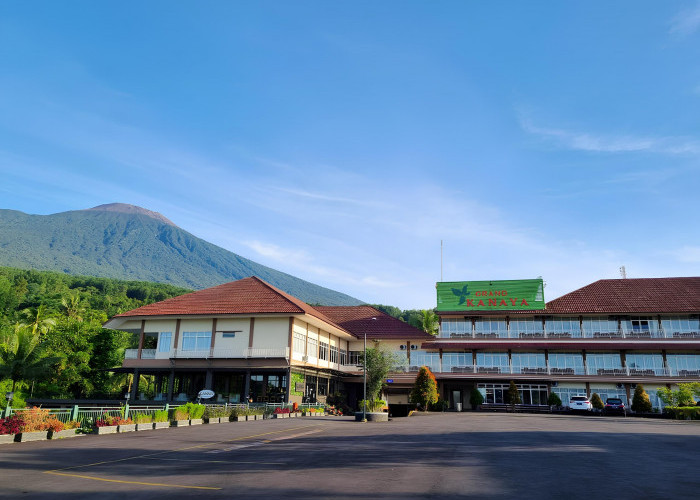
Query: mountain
[(129, 242)]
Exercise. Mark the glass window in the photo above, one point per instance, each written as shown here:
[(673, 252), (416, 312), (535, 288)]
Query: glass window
[(684, 364), (565, 393), (164, 341), (312, 346), (565, 363), (604, 364), (343, 357), (299, 344), (334, 354), (645, 363), (492, 360), (524, 362), (563, 327), (606, 392), (640, 327), (677, 326), (323, 350), (455, 327), (491, 327), (525, 327), (599, 326), (457, 362), (196, 341), (423, 358), (322, 386)]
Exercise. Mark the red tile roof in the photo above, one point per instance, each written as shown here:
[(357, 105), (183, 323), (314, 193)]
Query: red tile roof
[(619, 296), (246, 296), (358, 320)]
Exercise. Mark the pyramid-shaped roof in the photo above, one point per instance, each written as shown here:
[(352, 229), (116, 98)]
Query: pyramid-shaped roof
[(359, 320)]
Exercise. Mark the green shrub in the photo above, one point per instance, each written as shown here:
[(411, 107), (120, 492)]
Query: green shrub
[(143, 418), (160, 416), (597, 402), (424, 391), (554, 399), (439, 405), (475, 397), (513, 395), (372, 406), (684, 412), (640, 400)]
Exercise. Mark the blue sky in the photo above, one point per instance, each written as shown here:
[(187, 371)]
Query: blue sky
[(342, 141)]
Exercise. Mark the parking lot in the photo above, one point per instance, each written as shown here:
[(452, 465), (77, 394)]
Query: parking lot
[(467, 455)]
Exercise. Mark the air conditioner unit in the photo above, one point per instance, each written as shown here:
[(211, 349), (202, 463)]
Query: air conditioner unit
[(403, 347), (620, 386), (414, 347), (305, 359), (554, 384)]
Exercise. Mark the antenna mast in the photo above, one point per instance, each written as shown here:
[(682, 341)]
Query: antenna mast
[(623, 272)]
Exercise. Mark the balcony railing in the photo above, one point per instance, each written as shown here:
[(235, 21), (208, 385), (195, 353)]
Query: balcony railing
[(618, 334), (554, 371), (249, 352)]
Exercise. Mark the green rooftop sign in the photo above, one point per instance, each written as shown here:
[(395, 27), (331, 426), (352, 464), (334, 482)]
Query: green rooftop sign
[(501, 295)]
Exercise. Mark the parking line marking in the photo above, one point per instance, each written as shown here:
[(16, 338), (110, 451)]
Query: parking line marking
[(142, 483)]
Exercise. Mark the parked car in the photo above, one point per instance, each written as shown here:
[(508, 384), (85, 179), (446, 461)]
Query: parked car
[(580, 403), (614, 406)]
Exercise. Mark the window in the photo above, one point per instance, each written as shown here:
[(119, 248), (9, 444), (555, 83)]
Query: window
[(525, 327), (312, 346), (604, 364), (343, 357), (677, 326), (196, 341), (164, 340), (355, 357), (422, 358), (562, 327), (640, 327), (334, 354), (492, 362), (299, 342), (565, 363), (322, 386), (488, 327), (528, 361), (645, 364), (323, 350), (457, 362), (453, 327), (599, 327), (684, 364)]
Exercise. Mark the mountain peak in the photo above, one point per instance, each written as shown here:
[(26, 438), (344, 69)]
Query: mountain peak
[(125, 208)]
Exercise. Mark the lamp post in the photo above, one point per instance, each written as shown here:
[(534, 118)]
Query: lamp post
[(364, 374), (8, 408)]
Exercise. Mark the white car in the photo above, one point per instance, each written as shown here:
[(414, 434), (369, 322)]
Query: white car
[(580, 403)]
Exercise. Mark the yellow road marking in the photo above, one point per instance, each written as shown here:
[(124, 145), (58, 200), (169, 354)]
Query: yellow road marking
[(142, 483)]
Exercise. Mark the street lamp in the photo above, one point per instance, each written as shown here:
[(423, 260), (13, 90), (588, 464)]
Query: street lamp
[(8, 396), (364, 374)]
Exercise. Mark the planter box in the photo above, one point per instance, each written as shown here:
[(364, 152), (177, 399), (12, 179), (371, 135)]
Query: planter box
[(161, 425), (7, 438), (65, 433), (196, 421), (31, 436), (240, 418), (144, 427), (280, 415), (293, 415), (180, 423), (372, 416), (107, 429), (216, 420), (126, 428)]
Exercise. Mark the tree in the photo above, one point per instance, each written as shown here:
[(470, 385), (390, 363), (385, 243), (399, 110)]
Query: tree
[(513, 395), (554, 399), (424, 390), (38, 321), (21, 356), (683, 396), (430, 322), (596, 402), (476, 398), (377, 365), (640, 400)]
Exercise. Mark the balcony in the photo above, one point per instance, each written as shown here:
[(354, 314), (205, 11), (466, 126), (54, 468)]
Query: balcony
[(554, 371), (577, 334), (247, 353)]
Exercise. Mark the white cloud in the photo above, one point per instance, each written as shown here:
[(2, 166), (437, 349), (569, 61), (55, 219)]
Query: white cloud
[(584, 141), (686, 22)]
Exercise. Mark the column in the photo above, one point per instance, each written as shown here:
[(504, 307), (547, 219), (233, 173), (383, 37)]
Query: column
[(171, 384)]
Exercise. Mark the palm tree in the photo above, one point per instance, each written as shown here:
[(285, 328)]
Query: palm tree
[(21, 356), (73, 306), (430, 322), (39, 323)]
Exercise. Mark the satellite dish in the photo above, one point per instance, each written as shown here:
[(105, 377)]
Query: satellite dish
[(205, 394)]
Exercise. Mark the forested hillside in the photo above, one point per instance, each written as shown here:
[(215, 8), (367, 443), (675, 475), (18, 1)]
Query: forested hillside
[(128, 242), (52, 343)]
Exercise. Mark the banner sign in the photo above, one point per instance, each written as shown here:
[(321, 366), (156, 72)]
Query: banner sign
[(501, 295)]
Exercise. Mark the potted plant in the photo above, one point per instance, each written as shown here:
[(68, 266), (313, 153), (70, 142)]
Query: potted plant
[(160, 419), (9, 427), (238, 415), (124, 424), (281, 413), (181, 416), (35, 426), (144, 422), (195, 412), (554, 401), (105, 425), (476, 399), (69, 429)]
